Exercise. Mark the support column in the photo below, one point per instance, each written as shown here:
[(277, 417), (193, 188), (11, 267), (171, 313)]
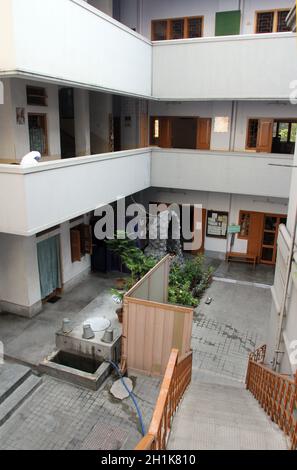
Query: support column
[(82, 122), (19, 276)]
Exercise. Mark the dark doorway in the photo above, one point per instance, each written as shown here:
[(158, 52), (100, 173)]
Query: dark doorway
[(117, 133), (67, 124), (184, 133)]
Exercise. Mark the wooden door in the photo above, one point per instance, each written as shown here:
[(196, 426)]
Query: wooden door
[(203, 133), (270, 235), (265, 131), (255, 233), (165, 139)]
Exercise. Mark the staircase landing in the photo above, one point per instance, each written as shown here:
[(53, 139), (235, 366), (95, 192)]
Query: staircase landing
[(223, 417)]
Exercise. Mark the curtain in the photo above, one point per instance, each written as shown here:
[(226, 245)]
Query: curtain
[(48, 252)]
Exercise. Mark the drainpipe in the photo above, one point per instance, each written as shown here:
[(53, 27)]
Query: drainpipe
[(276, 363)]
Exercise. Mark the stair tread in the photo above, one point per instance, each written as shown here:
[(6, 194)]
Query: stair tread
[(15, 399), (216, 416), (11, 376)]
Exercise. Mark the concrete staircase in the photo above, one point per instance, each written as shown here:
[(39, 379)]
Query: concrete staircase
[(17, 383), (223, 417)]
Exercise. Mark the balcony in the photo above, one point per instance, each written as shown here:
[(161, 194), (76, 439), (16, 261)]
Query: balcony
[(41, 197), (228, 68), (77, 45), (222, 172)]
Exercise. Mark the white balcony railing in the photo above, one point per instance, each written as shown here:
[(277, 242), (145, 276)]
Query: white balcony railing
[(245, 67), (41, 197), (70, 42), (223, 172)]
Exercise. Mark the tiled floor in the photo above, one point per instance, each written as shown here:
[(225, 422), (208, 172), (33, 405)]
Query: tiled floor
[(31, 340)]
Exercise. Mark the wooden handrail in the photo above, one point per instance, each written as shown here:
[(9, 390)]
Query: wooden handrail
[(176, 380), (276, 393)]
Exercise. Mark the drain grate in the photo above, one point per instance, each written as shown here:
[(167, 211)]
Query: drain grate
[(105, 437)]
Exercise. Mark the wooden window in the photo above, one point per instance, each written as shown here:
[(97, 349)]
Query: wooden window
[(38, 133), (273, 21), (281, 21), (36, 96), (265, 22), (177, 28), (244, 222), (195, 27), (160, 30), (81, 242)]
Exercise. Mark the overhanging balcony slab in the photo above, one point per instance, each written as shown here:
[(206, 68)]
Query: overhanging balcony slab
[(41, 197), (222, 172), (245, 67)]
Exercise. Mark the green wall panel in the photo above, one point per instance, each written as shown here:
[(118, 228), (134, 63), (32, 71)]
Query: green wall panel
[(228, 23)]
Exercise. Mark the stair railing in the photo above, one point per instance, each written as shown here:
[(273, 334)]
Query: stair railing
[(176, 380), (276, 393)]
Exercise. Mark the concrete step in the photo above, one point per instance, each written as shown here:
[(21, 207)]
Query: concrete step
[(221, 417), (17, 397), (11, 377)]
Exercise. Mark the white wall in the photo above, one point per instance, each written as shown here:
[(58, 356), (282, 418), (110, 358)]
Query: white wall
[(41, 197), (100, 111), (14, 138), (78, 45), (19, 276), (229, 67), (82, 122), (156, 9), (104, 5), (235, 173), (7, 125)]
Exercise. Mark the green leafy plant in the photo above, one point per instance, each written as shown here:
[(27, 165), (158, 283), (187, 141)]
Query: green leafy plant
[(133, 258), (188, 282)]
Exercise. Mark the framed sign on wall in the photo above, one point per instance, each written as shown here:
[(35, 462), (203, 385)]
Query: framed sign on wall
[(217, 224)]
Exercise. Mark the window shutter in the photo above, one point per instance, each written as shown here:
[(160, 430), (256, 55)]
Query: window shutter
[(228, 23), (203, 133), (165, 133), (86, 239), (264, 143), (75, 240)]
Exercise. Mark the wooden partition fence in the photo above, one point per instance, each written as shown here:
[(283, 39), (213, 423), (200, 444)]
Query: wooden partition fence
[(152, 327), (276, 393), (176, 380)]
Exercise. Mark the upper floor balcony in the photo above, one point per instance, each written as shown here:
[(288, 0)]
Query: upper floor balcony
[(245, 67), (37, 198), (245, 173), (71, 42)]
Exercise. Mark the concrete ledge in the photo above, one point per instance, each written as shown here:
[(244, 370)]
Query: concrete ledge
[(21, 310)]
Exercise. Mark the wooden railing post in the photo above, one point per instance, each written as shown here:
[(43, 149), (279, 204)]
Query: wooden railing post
[(176, 380), (276, 393)]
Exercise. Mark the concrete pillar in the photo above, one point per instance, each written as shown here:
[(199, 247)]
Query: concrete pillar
[(82, 122), (19, 276), (100, 112), (104, 5), (7, 127)]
